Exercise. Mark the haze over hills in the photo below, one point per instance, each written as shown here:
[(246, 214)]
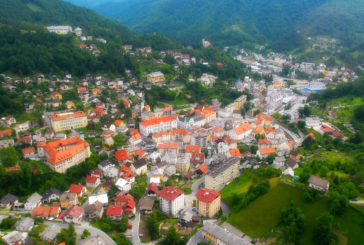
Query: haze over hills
[(280, 23)]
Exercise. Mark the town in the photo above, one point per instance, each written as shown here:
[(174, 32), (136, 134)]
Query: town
[(156, 162)]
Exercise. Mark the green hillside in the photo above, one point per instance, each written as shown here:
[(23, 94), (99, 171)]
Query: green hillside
[(280, 23)]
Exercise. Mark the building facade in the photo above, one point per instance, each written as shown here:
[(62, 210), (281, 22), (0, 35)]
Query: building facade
[(208, 202), (222, 173), (171, 200), (68, 121), (157, 125)]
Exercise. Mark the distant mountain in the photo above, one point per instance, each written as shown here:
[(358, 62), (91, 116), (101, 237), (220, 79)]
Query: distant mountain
[(280, 23)]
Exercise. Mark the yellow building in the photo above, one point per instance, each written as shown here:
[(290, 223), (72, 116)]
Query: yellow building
[(70, 105), (222, 173), (156, 77), (239, 102), (56, 96), (208, 202), (183, 165), (68, 120), (221, 235)]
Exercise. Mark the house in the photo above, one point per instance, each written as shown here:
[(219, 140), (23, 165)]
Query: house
[(115, 212), (264, 152), (17, 237), (104, 165), (99, 196), (50, 233), (171, 200), (146, 205), (156, 77), (5, 133), (111, 172), (123, 185), (221, 173), (72, 215), (7, 201), (241, 131), (318, 183), (68, 120), (46, 212), (79, 190), (33, 201), (68, 199), (121, 156), (92, 181), (139, 167), (25, 224), (218, 235), (208, 202), (50, 195), (292, 163), (93, 211), (152, 190), (135, 139)]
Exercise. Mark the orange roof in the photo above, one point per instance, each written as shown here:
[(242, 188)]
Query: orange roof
[(242, 128), (136, 137), (4, 132), (39, 100), (118, 122), (155, 121), (41, 144), (219, 64), (269, 130), (96, 90), (81, 89), (257, 122), (217, 129), (140, 152), (45, 211), (147, 107), (193, 148), (75, 145), (269, 150), (28, 150), (310, 135), (167, 146), (203, 168), (180, 131), (264, 141), (58, 117), (168, 108), (121, 155), (235, 152), (160, 134), (258, 130), (127, 103), (207, 113), (134, 131)]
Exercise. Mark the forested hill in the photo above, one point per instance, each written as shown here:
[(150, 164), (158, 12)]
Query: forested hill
[(57, 12), (280, 23)]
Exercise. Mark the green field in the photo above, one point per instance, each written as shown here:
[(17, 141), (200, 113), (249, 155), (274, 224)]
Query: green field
[(238, 186), (260, 218)]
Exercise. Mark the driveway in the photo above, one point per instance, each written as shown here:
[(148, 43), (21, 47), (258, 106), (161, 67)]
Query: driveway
[(135, 230), (79, 229)]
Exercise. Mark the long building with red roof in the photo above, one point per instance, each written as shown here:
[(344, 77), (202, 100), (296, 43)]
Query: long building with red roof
[(68, 121), (156, 125), (63, 154)]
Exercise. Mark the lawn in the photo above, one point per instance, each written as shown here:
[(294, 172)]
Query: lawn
[(237, 186), (260, 217)]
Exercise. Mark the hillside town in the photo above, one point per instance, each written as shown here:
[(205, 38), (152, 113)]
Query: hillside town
[(171, 158)]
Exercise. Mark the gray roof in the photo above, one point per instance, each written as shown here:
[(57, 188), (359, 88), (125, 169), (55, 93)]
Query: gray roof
[(50, 232), (52, 191), (223, 235), (146, 203), (8, 198), (217, 168), (24, 224), (92, 240), (34, 198), (139, 163), (318, 181)]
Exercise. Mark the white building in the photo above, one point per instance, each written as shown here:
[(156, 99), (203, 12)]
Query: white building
[(172, 200), (59, 29), (156, 125)]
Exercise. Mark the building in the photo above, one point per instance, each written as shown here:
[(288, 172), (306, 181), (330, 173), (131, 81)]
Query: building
[(222, 173), (7, 201), (63, 154), (157, 125), (156, 77), (33, 201), (68, 121), (172, 200), (218, 235), (25, 224), (208, 202), (59, 29), (318, 183)]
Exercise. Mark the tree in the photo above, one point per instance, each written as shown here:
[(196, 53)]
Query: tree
[(337, 203), (322, 234), (301, 124), (153, 226), (85, 234), (292, 222), (305, 112), (67, 235), (9, 156), (172, 238)]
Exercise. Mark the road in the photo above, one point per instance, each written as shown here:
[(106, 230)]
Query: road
[(79, 229), (294, 136), (135, 239)]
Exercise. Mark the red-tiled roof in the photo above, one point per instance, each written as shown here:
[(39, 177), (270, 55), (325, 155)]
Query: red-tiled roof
[(203, 168), (264, 141), (242, 128), (114, 210), (193, 148), (153, 187), (269, 150), (76, 188), (140, 152), (28, 150), (167, 146), (121, 155), (76, 145), (91, 179), (45, 211), (74, 211), (159, 120), (207, 195), (235, 152), (57, 117), (310, 135), (170, 193), (5, 132), (180, 131)]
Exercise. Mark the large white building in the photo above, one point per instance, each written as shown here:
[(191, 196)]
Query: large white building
[(68, 121), (156, 125), (63, 154), (172, 200), (59, 29)]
